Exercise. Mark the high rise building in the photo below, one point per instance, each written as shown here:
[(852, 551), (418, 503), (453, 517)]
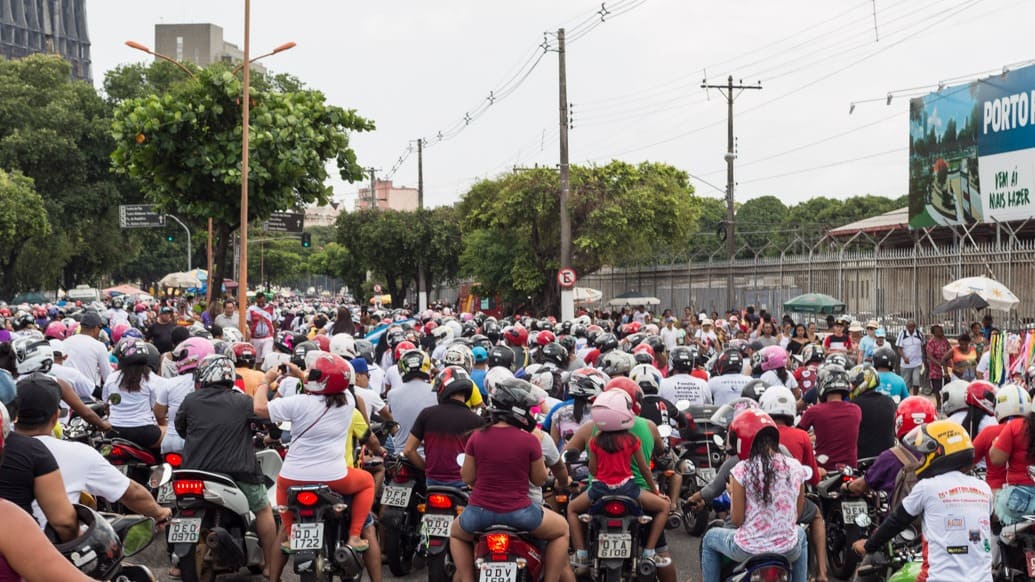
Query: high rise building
[(46, 26), (198, 43)]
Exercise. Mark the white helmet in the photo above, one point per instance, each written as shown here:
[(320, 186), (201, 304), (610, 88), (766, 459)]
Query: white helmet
[(778, 401), (954, 396), (647, 377), (32, 355), (1011, 400), (343, 345), (494, 376), (232, 335), (583, 320), (459, 355), (443, 335)]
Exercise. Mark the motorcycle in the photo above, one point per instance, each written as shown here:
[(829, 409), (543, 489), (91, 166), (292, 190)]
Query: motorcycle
[(210, 507), (80, 431), (319, 533), (403, 491), (1017, 551), (442, 506), (698, 460), (616, 530), (763, 567), (899, 561), (504, 554), (102, 555), (133, 461), (848, 517)]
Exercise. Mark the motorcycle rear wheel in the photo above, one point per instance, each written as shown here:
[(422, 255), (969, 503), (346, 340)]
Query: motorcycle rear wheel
[(438, 571), (193, 567), (842, 561), (398, 556)]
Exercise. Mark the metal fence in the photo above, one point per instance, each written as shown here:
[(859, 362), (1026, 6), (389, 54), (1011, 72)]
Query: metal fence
[(891, 284)]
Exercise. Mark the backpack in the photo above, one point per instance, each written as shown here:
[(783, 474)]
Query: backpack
[(906, 478)]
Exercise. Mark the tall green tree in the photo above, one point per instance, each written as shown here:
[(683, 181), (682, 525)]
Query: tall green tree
[(183, 149), (22, 218)]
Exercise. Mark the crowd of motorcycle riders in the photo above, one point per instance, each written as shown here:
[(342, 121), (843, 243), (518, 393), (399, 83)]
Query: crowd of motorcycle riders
[(539, 422)]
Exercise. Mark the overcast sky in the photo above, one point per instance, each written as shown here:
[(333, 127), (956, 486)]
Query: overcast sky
[(416, 67)]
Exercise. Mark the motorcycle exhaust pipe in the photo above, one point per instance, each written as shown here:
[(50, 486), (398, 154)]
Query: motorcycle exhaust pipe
[(675, 521), (646, 569)]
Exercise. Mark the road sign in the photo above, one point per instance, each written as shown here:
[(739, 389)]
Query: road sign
[(566, 278), (377, 289), (140, 216), (285, 222)]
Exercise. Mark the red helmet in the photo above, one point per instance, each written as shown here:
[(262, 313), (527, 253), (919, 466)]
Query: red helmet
[(629, 387), (429, 327), (746, 426), (243, 354), (323, 342), (401, 348), (591, 356), (911, 413), (545, 337), (328, 374), (981, 394), (516, 335), (647, 351)]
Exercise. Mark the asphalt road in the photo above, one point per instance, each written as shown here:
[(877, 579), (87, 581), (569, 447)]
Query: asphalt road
[(683, 547)]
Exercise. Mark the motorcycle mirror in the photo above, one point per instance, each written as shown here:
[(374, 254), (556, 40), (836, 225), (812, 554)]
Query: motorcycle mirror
[(160, 475), (908, 535), (718, 440), (665, 431), (863, 520), (682, 405), (138, 537), (808, 472), (460, 459), (114, 399), (822, 459)]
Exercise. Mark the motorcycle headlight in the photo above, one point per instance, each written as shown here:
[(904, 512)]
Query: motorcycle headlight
[(686, 467)]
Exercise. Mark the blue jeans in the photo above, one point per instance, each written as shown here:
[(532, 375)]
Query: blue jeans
[(628, 489), (719, 542), (475, 519)]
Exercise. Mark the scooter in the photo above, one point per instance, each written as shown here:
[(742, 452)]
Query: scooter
[(504, 554), (615, 533), (403, 491), (443, 504), (319, 534), (1017, 551)]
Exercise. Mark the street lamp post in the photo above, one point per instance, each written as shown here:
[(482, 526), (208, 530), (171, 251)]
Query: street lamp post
[(140, 47)]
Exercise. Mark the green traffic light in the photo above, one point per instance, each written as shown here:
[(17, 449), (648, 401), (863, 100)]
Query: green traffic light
[(170, 238)]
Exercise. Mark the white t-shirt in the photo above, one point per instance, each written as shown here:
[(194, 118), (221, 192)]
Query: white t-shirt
[(84, 469), (135, 408), (89, 356), (912, 346), (771, 378), (670, 337), (377, 379), (983, 363), (956, 512), (288, 387), (318, 453), (274, 359), (406, 402), (393, 379), (550, 455), (685, 387), (171, 395), (371, 400), (707, 338), (80, 383), (727, 387)]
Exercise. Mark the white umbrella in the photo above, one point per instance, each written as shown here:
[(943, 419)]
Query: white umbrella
[(180, 280), (992, 291), (586, 295), (633, 298)]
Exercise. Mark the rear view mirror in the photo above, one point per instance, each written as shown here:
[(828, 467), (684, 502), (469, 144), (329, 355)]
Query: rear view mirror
[(460, 459), (115, 399), (138, 537), (682, 405), (160, 475)]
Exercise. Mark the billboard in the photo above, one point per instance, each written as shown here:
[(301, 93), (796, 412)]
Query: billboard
[(972, 152)]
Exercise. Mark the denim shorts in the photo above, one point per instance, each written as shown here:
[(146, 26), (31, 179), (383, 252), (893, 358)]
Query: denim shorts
[(475, 519), (599, 489)]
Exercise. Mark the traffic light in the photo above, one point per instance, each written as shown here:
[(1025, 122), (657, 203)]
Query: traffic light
[(307, 240), (170, 237)]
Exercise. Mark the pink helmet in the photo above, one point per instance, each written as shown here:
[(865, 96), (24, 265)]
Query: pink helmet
[(612, 411), (465, 316), (117, 331), (56, 330), (773, 357), (190, 352)]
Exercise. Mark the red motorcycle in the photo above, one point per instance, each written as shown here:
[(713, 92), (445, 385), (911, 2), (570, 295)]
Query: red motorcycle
[(504, 554)]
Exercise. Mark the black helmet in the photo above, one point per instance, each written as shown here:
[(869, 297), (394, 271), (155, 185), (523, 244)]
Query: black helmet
[(836, 359), (301, 351), (468, 329), (501, 356), (882, 359), (833, 378), (554, 353), (754, 389), (365, 349), (578, 330), (215, 371), (130, 352), (656, 343), (512, 402), (729, 362), (491, 329), (98, 550), (481, 341), (452, 380), (813, 353), (568, 342), (563, 328), (682, 359), (631, 341), (154, 357), (606, 342)]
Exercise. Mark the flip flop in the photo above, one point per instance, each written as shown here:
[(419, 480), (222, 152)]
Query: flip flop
[(361, 548)]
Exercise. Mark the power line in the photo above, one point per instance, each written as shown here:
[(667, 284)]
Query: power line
[(824, 166)]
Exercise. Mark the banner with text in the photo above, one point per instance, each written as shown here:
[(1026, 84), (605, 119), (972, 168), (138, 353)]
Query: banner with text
[(972, 152)]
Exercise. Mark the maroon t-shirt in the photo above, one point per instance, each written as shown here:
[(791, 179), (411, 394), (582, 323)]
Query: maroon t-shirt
[(503, 457), (836, 424)]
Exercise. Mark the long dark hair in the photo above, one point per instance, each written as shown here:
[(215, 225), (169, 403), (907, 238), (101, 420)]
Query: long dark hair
[(132, 376), (1030, 422), (343, 322), (761, 472), (804, 332), (336, 400), (972, 421), (781, 373), (580, 407), (613, 441)]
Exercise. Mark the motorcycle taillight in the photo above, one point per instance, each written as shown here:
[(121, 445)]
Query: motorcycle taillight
[(497, 543), (614, 508), (402, 475), (188, 487), (306, 498), (439, 501), (174, 460), (769, 574)]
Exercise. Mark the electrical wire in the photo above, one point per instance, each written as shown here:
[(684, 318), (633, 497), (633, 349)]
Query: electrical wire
[(823, 166)]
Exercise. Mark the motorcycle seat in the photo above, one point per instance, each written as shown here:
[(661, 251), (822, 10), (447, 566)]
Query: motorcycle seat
[(138, 452), (503, 528), (760, 560), (203, 476)]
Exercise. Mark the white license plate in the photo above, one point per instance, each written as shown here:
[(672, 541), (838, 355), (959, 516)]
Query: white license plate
[(396, 496), (707, 474), (614, 545), (499, 572), (166, 494), (307, 536), (850, 509), (184, 530), (1029, 557), (438, 525)]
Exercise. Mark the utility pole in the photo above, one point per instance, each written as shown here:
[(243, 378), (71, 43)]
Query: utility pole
[(567, 295), (373, 187), (731, 246), (422, 293)]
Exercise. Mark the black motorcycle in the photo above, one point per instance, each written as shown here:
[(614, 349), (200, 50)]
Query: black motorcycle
[(848, 517), (400, 518), (319, 534), (1017, 551), (441, 508), (616, 530)]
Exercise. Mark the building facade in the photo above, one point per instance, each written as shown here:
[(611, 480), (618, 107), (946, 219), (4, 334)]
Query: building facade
[(198, 43), (46, 26), (387, 196), (323, 215)]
